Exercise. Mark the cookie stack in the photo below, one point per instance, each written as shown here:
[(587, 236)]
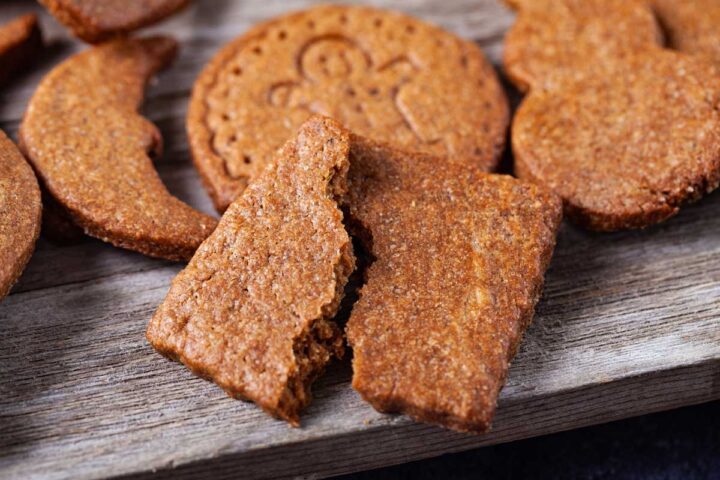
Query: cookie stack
[(623, 129), (343, 142)]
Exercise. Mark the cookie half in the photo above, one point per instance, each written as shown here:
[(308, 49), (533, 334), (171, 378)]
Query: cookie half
[(92, 150), (95, 21), (20, 213), (20, 42), (252, 311), (385, 75), (459, 260)]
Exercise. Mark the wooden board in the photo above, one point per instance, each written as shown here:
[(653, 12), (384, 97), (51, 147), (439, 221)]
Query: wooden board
[(628, 324)]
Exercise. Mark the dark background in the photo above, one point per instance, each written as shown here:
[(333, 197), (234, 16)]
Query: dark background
[(681, 444)]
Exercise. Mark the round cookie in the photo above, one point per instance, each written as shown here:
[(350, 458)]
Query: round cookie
[(20, 213), (382, 74), (92, 150), (566, 34), (624, 143), (95, 21), (691, 25)]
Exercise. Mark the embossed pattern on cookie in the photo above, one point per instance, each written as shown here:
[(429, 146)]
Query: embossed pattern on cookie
[(381, 74), (253, 309), (459, 260), (95, 21), (92, 150), (20, 213)]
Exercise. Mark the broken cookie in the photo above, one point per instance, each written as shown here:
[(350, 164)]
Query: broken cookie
[(20, 42), (20, 213), (95, 21), (252, 311), (459, 258), (92, 150), (382, 74), (625, 137)]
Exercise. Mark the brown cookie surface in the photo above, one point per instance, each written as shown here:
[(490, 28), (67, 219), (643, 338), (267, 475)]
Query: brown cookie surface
[(460, 257), (384, 75), (20, 42), (20, 213), (91, 148), (252, 311), (624, 144), (565, 34), (691, 25), (95, 21)]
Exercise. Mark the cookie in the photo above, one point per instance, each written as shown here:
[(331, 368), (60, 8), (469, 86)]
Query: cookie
[(625, 141), (20, 213), (691, 25), (459, 259), (382, 74), (252, 311), (92, 150), (20, 42), (96, 21), (562, 34)]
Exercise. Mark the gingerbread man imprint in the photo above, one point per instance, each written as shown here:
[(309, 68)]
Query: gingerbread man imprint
[(330, 67), (382, 74)]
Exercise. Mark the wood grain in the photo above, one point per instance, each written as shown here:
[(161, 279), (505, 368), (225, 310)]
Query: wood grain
[(628, 324)]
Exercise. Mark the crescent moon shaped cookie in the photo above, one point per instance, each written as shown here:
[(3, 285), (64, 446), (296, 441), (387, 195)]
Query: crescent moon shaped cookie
[(561, 34), (625, 140), (381, 74), (459, 260), (91, 149), (20, 42), (95, 21), (20, 213), (691, 25), (252, 311)]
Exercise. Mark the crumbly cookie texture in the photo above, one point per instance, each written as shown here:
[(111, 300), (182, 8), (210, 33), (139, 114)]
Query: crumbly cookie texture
[(385, 75), (95, 21), (550, 35), (252, 311), (20, 43), (20, 213), (92, 150), (691, 25), (458, 260)]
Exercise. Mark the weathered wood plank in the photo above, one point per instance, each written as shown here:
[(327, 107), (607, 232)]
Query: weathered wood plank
[(516, 420), (630, 329), (628, 324)]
